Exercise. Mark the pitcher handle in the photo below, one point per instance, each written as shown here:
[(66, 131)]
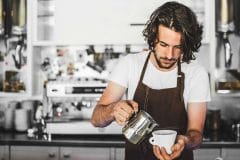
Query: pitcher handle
[(152, 126)]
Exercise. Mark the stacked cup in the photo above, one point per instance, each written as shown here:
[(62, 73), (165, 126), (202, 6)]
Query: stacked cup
[(22, 119), (9, 115), (29, 105)]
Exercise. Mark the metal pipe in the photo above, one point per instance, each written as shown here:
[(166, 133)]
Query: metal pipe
[(228, 51)]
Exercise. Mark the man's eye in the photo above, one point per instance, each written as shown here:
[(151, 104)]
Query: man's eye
[(163, 44), (178, 47)]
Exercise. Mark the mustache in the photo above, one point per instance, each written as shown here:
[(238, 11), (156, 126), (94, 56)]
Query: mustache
[(171, 59)]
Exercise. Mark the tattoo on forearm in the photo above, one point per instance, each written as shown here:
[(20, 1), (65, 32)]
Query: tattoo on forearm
[(194, 139)]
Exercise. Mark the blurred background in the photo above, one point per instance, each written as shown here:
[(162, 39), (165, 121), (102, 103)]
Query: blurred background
[(56, 55)]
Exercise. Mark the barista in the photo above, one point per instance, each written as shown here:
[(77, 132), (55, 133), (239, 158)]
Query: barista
[(162, 81)]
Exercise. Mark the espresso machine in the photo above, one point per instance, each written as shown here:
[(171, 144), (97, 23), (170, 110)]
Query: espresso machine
[(227, 24), (70, 105)]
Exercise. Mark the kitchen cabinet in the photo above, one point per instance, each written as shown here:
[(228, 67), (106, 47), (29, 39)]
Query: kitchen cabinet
[(200, 154), (214, 153), (14, 55), (4, 152), (105, 22), (139, 15), (34, 153), (119, 153), (63, 153), (230, 153), (84, 153), (207, 153)]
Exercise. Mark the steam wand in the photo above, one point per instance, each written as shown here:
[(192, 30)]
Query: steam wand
[(228, 50)]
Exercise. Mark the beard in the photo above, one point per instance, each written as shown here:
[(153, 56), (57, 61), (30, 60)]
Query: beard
[(164, 62)]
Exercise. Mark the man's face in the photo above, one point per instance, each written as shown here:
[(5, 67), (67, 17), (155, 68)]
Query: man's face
[(168, 49)]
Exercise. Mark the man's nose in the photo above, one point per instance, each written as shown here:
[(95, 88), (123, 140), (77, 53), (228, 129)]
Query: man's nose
[(170, 52)]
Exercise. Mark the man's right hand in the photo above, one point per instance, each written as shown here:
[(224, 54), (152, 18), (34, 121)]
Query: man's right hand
[(123, 110)]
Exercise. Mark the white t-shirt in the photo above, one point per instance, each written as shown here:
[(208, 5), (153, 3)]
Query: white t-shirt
[(128, 70)]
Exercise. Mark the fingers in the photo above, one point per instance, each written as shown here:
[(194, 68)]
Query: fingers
[(133, 104), (157, 152), (121, 120), (161, 153), (176, 151), (123, 110), (178, 147), (165, 155)]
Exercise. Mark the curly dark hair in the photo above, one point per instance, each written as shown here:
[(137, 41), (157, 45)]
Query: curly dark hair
[(179, 18)]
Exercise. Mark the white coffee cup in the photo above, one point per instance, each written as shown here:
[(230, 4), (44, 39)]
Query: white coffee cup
[(163, 138)]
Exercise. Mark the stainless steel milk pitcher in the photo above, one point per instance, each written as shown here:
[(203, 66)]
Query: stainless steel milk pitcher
[(138, 127)]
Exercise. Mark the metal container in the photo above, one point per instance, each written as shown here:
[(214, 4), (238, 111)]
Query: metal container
[(1, 18), (224, 14), (229, 82), (9, 115), (236, 129), (225, 25), (19, 16), (214, 120), (138, 127)]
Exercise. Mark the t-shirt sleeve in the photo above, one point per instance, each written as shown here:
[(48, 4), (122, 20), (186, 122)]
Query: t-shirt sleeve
[(120, 72), (199, 90)]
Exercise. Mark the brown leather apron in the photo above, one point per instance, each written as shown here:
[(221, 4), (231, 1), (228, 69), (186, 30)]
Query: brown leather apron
[(166, 106)]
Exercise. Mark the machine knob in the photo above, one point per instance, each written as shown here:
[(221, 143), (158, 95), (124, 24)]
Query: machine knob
[(66, 155), (51, 155), (59, 111)]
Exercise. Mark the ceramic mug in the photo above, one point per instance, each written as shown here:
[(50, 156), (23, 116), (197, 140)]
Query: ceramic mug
[(163, 138)]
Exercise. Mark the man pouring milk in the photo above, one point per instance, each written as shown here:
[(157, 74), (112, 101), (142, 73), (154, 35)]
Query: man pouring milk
[(164, 81)]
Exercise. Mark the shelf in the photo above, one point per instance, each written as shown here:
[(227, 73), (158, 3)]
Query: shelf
[(53, 43), (16, 95), (228, 93), (46, 43)]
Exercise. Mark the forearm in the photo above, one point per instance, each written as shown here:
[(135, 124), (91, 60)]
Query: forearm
[(102, 115), (193, 139)]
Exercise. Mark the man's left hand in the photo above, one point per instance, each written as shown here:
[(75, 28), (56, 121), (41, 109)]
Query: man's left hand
[(176, 149)]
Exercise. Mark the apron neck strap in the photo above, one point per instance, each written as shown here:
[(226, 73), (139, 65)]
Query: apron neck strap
[(180, 80), (145, 66), (179, 66)]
